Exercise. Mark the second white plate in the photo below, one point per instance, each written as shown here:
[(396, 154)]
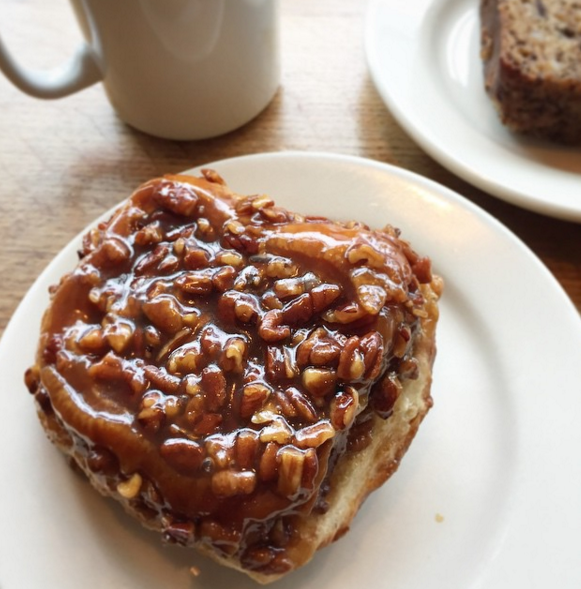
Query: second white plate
[(424, 59)]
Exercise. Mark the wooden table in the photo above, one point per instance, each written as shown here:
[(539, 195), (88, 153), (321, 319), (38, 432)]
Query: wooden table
[(65, 162)]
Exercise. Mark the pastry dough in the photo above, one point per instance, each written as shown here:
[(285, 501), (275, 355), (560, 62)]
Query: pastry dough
[(239, 377)]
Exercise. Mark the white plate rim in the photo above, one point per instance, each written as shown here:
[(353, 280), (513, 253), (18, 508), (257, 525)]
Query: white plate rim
[(475, 158), (569, 332)]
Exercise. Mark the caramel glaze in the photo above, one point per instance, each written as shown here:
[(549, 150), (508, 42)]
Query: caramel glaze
[(222, 349)]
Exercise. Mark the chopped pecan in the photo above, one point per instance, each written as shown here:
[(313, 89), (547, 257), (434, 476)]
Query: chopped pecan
[(285, 404), (185, 359), (168, 265), (249, 277), (301, 404), (129, 488), (298, 311), (226, 306), (246, 308), (234, 227), (402, 340), (344, 407), (221, 451), (290, 473), (264, 416), (173, 405), (274, 214), (277, 431), (229, 258), (371, 297), (119, 334), (161, 378), (150, 261), (205, 230), (246, 449), (116, 250), (268, 465), (195, 257), (110, 367), (179, 198), (325, 351), (152, 414), (179, 246), (305, 347), (208, 424), (345, 314), (184, 455), (152, 336), (196, 282), (213, 176), (278, 267), (289, 287), (314, 435), (323, 296), (223, 278), (290, 470), (363, 252), (150, 234), (372, 346), (271, 301), (384, 395), (92, 340), (211, 338), (261, 201), (228, 483), (164, 312), (234, 355), (176, 340), (319, 381), (290, 366), (271, 328), (274, 363), (422, 268), (213, 384), (351, 362), (195, 409), (253, 397)]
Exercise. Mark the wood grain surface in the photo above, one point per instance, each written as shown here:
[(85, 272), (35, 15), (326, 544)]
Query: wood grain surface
[(65, 162)]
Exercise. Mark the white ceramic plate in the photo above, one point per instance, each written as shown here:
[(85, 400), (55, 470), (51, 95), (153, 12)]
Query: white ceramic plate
[(497, 458), (424, 59)]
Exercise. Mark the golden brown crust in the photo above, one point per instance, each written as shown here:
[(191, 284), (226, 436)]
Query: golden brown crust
[(239, 377)]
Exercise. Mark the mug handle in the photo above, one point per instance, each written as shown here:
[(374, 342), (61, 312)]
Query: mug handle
[(79, 72)]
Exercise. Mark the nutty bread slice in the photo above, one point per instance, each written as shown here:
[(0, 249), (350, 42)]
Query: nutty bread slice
[(239, 377), (532, 65)]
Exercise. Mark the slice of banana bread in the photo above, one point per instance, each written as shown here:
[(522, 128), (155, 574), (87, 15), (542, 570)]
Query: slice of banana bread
[(532, 65)]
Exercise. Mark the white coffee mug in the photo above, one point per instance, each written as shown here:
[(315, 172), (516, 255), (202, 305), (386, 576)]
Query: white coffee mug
[(178, 69)]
